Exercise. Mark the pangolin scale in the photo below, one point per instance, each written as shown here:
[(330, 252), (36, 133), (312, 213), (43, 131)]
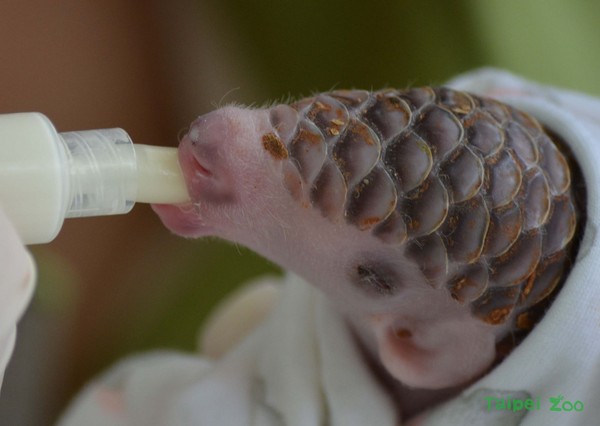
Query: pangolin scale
[(480, 195)]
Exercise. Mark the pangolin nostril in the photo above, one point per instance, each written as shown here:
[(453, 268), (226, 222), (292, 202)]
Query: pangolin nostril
[(200, 169)]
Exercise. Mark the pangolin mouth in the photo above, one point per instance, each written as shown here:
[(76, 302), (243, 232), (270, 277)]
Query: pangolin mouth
[(195, 170), (185, 219), (182, 219)]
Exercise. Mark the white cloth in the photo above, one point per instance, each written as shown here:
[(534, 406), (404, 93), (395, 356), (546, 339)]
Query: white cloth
[(302, 368), (17, 281)]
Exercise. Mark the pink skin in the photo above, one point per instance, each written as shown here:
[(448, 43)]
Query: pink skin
[(420, 337)]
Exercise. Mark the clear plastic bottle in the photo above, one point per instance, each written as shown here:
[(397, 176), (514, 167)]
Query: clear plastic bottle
[(46, 176)]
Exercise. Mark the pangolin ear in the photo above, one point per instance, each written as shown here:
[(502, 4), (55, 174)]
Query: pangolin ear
[(435, 354)]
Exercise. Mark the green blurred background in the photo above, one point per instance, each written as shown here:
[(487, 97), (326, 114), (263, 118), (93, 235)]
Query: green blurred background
[(110, 287)]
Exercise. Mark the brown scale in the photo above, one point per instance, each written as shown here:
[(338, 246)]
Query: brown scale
[(479, 194)]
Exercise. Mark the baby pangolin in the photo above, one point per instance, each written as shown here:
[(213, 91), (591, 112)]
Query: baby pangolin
[(439, 222)]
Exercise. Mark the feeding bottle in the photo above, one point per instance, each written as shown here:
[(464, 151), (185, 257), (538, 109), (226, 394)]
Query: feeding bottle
[(46, 176)]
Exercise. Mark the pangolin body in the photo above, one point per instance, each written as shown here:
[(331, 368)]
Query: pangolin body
[(439, 224), (477, 193)]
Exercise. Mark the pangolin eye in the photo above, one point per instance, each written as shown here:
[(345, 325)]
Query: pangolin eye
[(377, 278)]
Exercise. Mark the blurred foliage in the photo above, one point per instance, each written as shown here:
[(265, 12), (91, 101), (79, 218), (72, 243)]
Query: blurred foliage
[(316, 45), (191, 282), (550, 41)]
